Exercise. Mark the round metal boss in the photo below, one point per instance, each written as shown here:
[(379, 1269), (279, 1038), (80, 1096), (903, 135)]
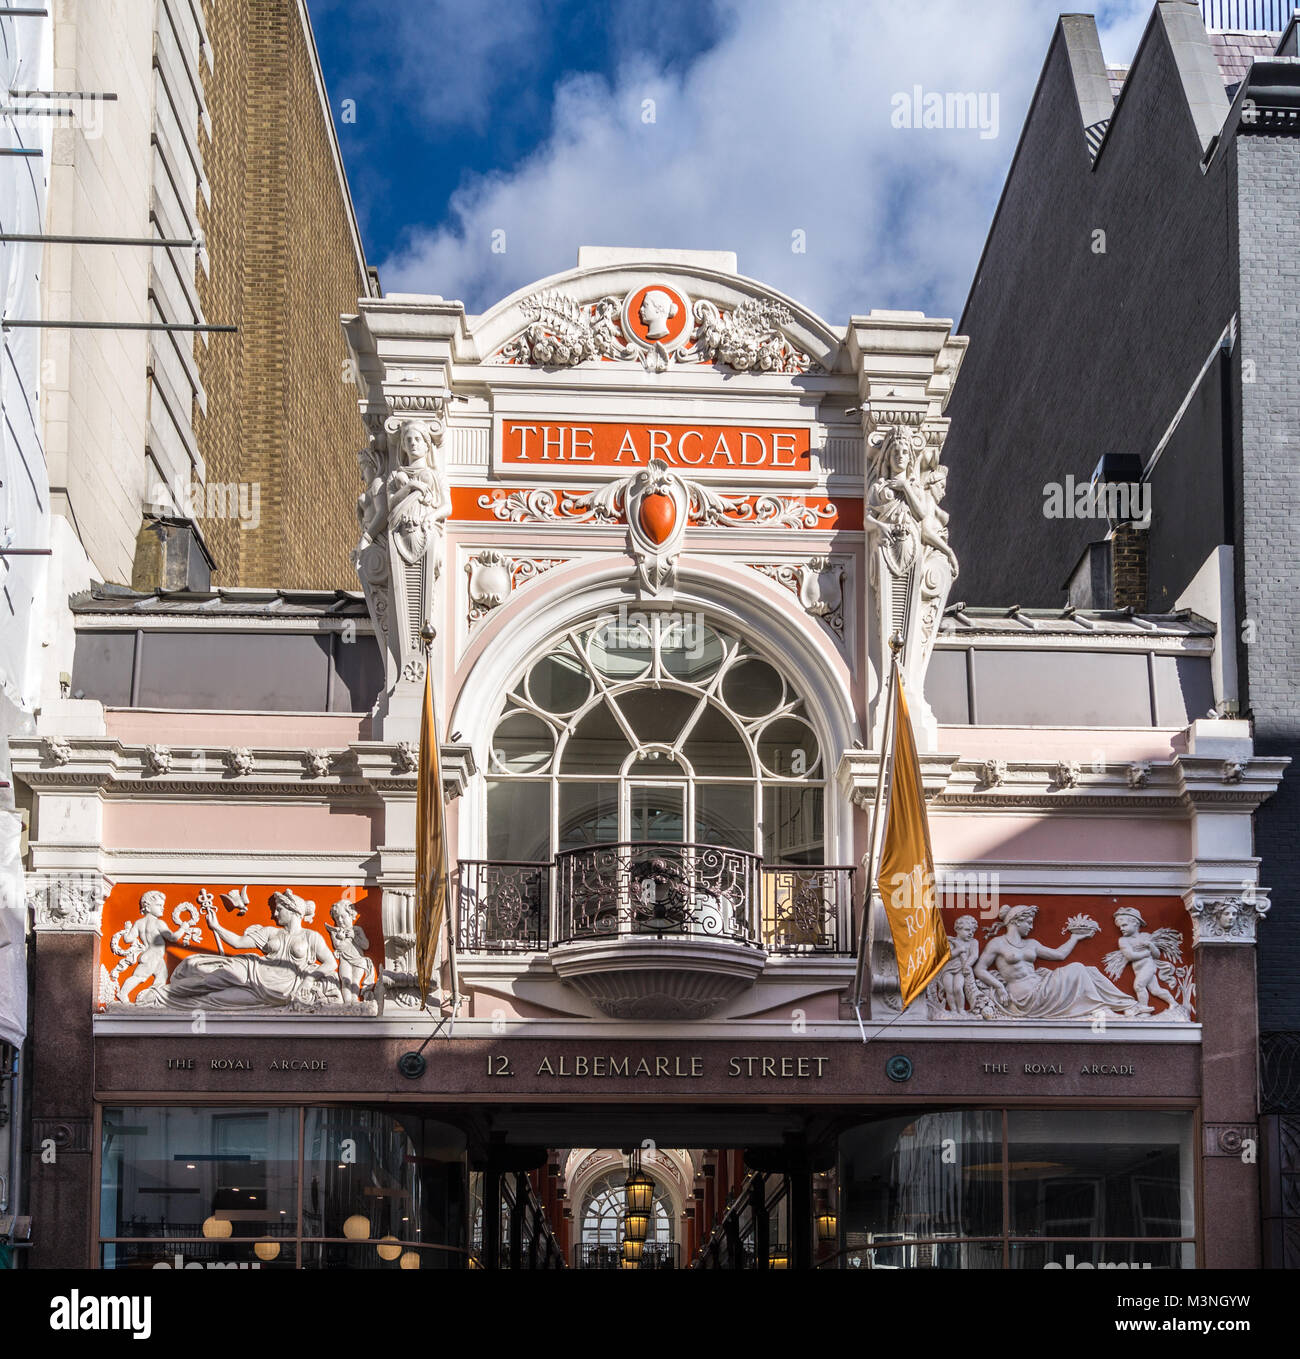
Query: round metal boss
[(899, 1068), (412, 1065)]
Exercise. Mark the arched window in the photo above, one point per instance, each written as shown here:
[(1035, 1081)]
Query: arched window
[(602, 1212), (654, 727)]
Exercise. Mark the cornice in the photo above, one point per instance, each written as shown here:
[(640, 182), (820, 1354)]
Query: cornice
[(1185, 784), (361, 769)]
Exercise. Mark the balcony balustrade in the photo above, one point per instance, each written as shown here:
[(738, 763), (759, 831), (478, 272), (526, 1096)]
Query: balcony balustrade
[(655, 890)]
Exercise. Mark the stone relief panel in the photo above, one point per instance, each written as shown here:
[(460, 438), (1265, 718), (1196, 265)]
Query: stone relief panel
[(655, 324), (1094, 959), (308, 949)]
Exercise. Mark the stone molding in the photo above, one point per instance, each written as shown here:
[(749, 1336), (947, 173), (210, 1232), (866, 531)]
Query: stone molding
[(1054, 785)]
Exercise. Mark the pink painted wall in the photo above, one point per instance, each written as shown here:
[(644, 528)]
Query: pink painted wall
[(192, 730), (965, 837), (1115, 745), (291, 826)]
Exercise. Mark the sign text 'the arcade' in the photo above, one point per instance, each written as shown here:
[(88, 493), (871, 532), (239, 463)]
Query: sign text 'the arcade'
[(611, 444)]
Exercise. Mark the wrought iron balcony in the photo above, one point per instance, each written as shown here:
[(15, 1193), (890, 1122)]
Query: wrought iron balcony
[(655, 890), (504, 907), (649, 888)]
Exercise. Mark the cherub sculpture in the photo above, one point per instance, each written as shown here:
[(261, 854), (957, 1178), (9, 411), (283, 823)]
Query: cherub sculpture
[(1153, 957), (356, 970), (143, 943)]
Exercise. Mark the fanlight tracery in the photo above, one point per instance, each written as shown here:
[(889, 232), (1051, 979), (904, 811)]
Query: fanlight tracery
[(654, 727)]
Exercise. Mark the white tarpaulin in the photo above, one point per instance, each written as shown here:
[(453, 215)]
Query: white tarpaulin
[(13, 933)]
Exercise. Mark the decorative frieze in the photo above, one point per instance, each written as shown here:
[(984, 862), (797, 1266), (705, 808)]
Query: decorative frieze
[(1143, 976), (657, 505)]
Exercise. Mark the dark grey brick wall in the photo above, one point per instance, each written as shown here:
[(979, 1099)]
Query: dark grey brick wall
[(1268, 554), (1073, 353)]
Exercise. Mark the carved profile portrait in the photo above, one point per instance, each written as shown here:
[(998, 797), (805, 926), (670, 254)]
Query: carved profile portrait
[(656, 310)]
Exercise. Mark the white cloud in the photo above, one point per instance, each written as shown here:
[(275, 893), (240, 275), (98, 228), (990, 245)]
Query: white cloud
[(783, 125)]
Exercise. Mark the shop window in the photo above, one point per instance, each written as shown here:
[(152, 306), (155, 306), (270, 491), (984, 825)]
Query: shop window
[(1021, 1189), (275, 1188)]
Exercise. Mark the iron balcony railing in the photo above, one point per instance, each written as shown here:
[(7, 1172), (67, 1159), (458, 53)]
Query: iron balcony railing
[(504, 907), (808, 908), (659, 889), (654, 1255), (651, 889)]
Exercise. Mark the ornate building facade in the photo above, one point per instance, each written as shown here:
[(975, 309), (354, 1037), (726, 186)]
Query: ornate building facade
[(661, 523)]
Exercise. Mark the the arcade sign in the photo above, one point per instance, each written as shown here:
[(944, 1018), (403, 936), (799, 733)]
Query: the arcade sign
[(604, 443)]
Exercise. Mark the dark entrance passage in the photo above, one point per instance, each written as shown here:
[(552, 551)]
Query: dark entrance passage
[(653, 1187)]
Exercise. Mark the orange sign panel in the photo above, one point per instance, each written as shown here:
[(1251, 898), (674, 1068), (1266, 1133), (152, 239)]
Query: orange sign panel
[(615, 444)]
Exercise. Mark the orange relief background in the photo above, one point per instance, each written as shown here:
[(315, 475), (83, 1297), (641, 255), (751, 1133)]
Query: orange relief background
[(123, 906), (846, 516), (1054, 911)]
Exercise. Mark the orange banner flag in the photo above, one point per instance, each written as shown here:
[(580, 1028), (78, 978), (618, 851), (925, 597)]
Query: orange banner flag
[(906, 873), (430, 846)]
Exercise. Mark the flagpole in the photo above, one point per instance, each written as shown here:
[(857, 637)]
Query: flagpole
[(866, 939), (426, 636)]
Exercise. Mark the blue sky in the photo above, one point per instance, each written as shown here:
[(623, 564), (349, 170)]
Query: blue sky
[(488, 139)]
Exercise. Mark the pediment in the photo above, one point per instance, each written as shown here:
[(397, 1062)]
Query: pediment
[(656, 314)]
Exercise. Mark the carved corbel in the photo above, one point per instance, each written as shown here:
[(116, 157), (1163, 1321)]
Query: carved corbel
[(1227, 918), (71, 902)]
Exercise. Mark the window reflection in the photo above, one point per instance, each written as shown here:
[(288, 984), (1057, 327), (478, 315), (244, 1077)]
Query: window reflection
[(224, 1188), (1088, 1186)]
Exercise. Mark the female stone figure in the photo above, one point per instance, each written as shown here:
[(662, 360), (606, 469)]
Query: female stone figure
[(1019, 988), (295, 967), (416, 501)]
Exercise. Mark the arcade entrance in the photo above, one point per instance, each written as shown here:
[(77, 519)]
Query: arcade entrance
[(669, 1189), (643, 1185)]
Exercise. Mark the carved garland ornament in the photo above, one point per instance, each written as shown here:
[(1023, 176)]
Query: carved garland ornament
[(654, 324), (657, 505), (493, 575)]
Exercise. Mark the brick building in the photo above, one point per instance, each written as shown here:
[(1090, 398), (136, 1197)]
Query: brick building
[(286, 262), (1136, 300), (193, 183)]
